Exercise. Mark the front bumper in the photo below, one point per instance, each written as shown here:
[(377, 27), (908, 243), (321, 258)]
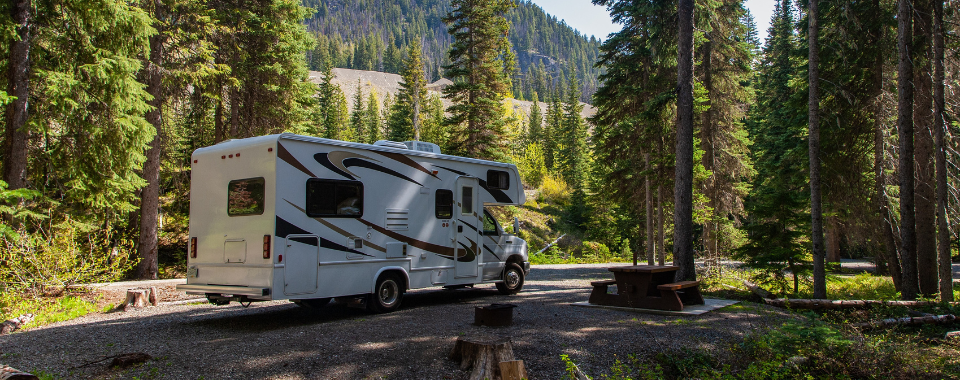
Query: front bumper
[(220, 290)]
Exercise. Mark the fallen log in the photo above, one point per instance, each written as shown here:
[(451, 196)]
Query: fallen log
[(15, 324), (756, 289), (908, 321), (483, 354), (10, 373), (818, 304)]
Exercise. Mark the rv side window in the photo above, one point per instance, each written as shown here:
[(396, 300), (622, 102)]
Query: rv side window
[(444, 204), (498, 180), (245, 197), (467, 198), (334, 198), (490, 225)]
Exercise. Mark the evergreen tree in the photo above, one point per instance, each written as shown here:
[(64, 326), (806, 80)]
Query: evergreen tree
[(572, 135), (552, 132), (372, 119), (535, 130), (481, 64), (357, 116)]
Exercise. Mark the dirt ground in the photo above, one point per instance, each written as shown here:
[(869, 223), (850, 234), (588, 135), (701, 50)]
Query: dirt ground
[(280, 340)]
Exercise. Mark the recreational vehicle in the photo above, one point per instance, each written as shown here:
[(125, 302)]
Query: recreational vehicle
[(310, 219)]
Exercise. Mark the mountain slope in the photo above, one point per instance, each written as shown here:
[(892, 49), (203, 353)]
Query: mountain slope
[(372, 34)]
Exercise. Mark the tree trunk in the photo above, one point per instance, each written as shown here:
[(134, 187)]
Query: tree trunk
[(943, 231), (706, 143), (925, 196), (218, 128), (234, 112), (650, 243), (661, 241), (683, 187), (833, 240), (150, 194), (885, 221), (909, 286), (813, 115), (18, 85), (484, 354)]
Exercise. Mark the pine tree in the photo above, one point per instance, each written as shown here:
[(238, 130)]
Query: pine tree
[(683, 189), (357, 116), (535, 124), (551, 133), (372, 119), (481, 64), (573, 137), (413, 92)]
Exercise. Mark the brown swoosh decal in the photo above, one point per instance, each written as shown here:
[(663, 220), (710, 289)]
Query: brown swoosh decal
[(446, 252), (337, 157), (285, 155), (339, 230), (407, 161)]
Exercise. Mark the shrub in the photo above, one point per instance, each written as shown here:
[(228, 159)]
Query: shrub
[(554, 190), (59, 255)]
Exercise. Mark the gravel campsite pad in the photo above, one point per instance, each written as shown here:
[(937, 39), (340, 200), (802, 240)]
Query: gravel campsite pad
[(280, 340)]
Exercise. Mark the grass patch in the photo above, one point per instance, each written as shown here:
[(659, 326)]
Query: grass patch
[(46, 310)]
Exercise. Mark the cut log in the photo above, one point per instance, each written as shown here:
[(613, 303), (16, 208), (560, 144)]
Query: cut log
[(817, 304), (483, 354), (10, 373), (952, 335), (137, 298), (513, 370), (934, 319), (154, 297), (127, 360)]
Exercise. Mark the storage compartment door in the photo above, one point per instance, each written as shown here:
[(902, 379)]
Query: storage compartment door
[(301, 261)]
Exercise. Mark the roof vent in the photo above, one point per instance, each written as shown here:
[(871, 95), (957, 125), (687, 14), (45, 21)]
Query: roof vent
[(421, 146), (390, 144)]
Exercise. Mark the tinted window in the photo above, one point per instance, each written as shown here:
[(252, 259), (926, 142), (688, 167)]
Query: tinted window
[(444, 204), (499, 180), (245, 197), (467, 199), (332, 198)]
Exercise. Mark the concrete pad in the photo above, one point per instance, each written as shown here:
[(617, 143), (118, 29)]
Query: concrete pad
[(710, 304)]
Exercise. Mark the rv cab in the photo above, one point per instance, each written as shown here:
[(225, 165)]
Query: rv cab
[(310, 220)]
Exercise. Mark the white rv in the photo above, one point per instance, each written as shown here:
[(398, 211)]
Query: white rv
[(310, 219)]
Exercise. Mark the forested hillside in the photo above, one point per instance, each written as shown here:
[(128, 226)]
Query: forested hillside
[(375, 34)]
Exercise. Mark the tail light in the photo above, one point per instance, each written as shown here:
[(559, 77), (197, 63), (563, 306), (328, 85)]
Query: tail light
[(193, 248), (266, 246)]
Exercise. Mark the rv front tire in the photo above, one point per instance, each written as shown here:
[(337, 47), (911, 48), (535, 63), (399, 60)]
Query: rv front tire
[(388, 294), (512, 280)]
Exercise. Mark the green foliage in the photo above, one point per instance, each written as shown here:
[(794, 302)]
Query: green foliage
[(46, 310), (62, 253), (406, 118), (481, 65)]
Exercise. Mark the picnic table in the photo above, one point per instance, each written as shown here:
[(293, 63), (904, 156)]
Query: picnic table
[(646, 287)]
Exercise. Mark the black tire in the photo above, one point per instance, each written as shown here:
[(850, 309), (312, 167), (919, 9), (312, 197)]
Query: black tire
[(512, 280), (388, 294), (313, 303)]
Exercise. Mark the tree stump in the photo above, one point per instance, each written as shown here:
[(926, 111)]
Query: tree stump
[(513, 370), (483, 354), (137, 298), (154, 296), (9, 373)]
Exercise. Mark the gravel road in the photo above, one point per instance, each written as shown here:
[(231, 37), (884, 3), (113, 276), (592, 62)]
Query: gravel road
[(279, 340)]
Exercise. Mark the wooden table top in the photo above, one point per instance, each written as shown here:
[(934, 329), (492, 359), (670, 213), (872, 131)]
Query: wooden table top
[(645, 269)]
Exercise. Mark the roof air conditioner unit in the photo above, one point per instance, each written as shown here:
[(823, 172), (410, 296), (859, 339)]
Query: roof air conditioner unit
[(421, 146), (390, 144)]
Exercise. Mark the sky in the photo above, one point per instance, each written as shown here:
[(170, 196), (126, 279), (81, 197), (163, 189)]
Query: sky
[(594, 20)]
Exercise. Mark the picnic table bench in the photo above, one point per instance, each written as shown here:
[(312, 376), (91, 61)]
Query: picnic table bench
[(647, 287)]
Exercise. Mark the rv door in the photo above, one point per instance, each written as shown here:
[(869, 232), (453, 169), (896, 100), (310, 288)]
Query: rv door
[(467, 227)]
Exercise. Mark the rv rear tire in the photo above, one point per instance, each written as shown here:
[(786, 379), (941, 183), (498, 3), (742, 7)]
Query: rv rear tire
[(313, 303), (512, 280), (387, 295)]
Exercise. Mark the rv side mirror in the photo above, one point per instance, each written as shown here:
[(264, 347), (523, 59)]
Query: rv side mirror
[(516, 226)]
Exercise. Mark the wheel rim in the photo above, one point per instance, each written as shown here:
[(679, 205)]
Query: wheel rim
[(513, 279), (389, 292)]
